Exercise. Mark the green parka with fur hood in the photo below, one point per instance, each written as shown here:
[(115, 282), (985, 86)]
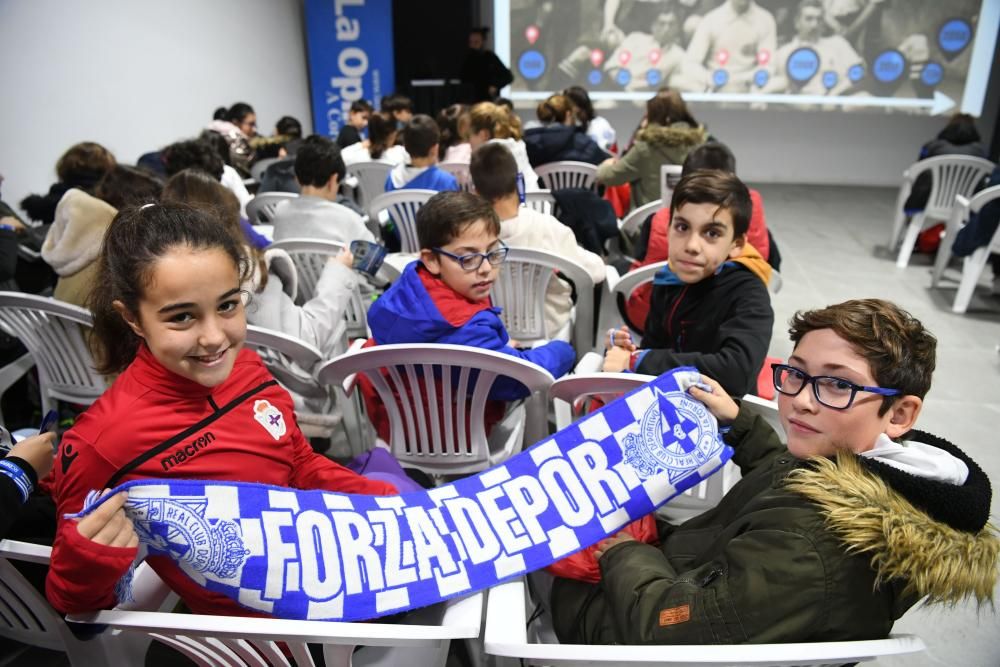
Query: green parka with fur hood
[(655, 145), (797, 551)]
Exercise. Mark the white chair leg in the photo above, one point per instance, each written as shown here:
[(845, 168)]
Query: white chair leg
[(909, 239), (954, 225), (972, 268), (900, 219)]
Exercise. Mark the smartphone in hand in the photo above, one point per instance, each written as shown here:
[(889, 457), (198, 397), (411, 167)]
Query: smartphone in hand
[(368, 256)]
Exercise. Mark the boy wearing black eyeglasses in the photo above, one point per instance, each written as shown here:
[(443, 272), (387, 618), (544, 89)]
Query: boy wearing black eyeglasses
[(445, 296), (830, 538)]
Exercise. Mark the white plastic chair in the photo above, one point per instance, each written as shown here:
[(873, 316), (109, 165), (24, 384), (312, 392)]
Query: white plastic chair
[(766, 409), (51, 331), (622, 289), (258, 168), (237, 641), (670, 175), (507, 636), (952, 175), (972, 268), (28, 618), (630, 227), (541, 201), (961, 211), (401, 207), (567, 174), (260, 209), (310, 257), (371, 180), (436, 403), (293, 363), (460, 170), (520, 290)]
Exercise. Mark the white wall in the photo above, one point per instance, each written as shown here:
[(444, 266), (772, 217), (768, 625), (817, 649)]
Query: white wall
[(788, 146), (135, 75)]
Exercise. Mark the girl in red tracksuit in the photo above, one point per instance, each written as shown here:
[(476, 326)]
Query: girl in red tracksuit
[(190, 401)]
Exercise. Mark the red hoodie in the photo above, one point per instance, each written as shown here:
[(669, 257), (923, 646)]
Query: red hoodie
[(153, 423)]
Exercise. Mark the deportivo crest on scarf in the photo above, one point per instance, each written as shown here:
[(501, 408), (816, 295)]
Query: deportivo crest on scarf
[(320, 555), (270, 418)]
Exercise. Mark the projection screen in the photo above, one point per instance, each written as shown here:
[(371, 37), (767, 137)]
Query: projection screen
[(916, 56)]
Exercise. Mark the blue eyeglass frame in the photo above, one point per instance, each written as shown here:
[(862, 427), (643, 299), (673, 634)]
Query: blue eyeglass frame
[(807, 379), (484, 257)]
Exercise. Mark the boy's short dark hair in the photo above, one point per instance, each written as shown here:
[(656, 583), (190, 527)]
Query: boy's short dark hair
[(396, 102), (361, 106), (192, 154), (446, 214), (420, 135), (494, 171), (317, 160), (719, 188), (900, 352), (710, 155)]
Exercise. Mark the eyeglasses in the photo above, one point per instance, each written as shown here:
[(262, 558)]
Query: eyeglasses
[(833, 392), (474, 260)]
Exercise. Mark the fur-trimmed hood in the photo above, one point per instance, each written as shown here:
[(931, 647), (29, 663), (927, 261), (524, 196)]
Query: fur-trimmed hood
[(675, 135), (931, 535)]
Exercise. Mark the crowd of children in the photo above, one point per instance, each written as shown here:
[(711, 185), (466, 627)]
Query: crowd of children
[(831, 535)]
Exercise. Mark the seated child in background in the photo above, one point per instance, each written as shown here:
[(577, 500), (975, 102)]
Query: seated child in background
[(315, 213), (420, 139), (707, 311), (654, 241), (444, 297), (830, 538), (357, 120), (494, 173)]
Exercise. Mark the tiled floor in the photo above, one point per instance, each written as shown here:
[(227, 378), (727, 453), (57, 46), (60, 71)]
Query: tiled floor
[(832, 243), (831, 240)]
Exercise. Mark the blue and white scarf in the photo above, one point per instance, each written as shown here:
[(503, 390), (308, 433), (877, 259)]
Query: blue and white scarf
[(319, 555)]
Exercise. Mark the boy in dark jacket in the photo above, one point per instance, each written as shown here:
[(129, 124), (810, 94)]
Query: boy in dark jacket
[(707, 311), (445, 296), (830, 537)]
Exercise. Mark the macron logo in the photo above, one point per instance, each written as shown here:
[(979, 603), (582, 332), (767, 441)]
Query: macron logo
[(183, 453)]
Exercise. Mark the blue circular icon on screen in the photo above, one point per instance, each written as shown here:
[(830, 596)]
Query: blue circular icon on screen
[(623, 77), (829, 79), (856, 73), (802, 64), (760, 78), (954, 35), (932, 74), (888, 66), (594, 77), (653, 77), (720, 77), (531, 64)]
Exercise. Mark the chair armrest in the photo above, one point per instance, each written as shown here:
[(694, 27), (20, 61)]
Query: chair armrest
[(589, 363), (506, 622), (25, 551), (352, 380), (13, 371), (149, 592)]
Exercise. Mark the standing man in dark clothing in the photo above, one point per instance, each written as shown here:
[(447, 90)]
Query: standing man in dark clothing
[(482, 71)]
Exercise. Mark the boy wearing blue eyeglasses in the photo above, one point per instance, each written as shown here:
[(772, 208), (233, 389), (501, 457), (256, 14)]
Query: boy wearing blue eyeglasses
[(830, 538), (445, 296)]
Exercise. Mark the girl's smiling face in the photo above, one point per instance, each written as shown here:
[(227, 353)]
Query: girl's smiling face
[(191, 314)]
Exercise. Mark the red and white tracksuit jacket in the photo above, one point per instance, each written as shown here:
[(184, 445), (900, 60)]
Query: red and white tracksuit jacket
[(154, 424)]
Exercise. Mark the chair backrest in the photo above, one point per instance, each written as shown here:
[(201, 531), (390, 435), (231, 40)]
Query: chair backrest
[(435, 397), (371, 180), (460, 170), (401, 206), (628, 283), (260, 209), (506, 635), (567, 174), (260, 166), (520, 290), (423, 636), (541, 201), (27, 617), (52, 331), (631, 224), (766, 409), (310, 257), (951, 175), (290, 360)]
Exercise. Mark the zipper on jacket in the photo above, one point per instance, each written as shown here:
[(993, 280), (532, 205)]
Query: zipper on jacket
[(712, 575), (673, 311)]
